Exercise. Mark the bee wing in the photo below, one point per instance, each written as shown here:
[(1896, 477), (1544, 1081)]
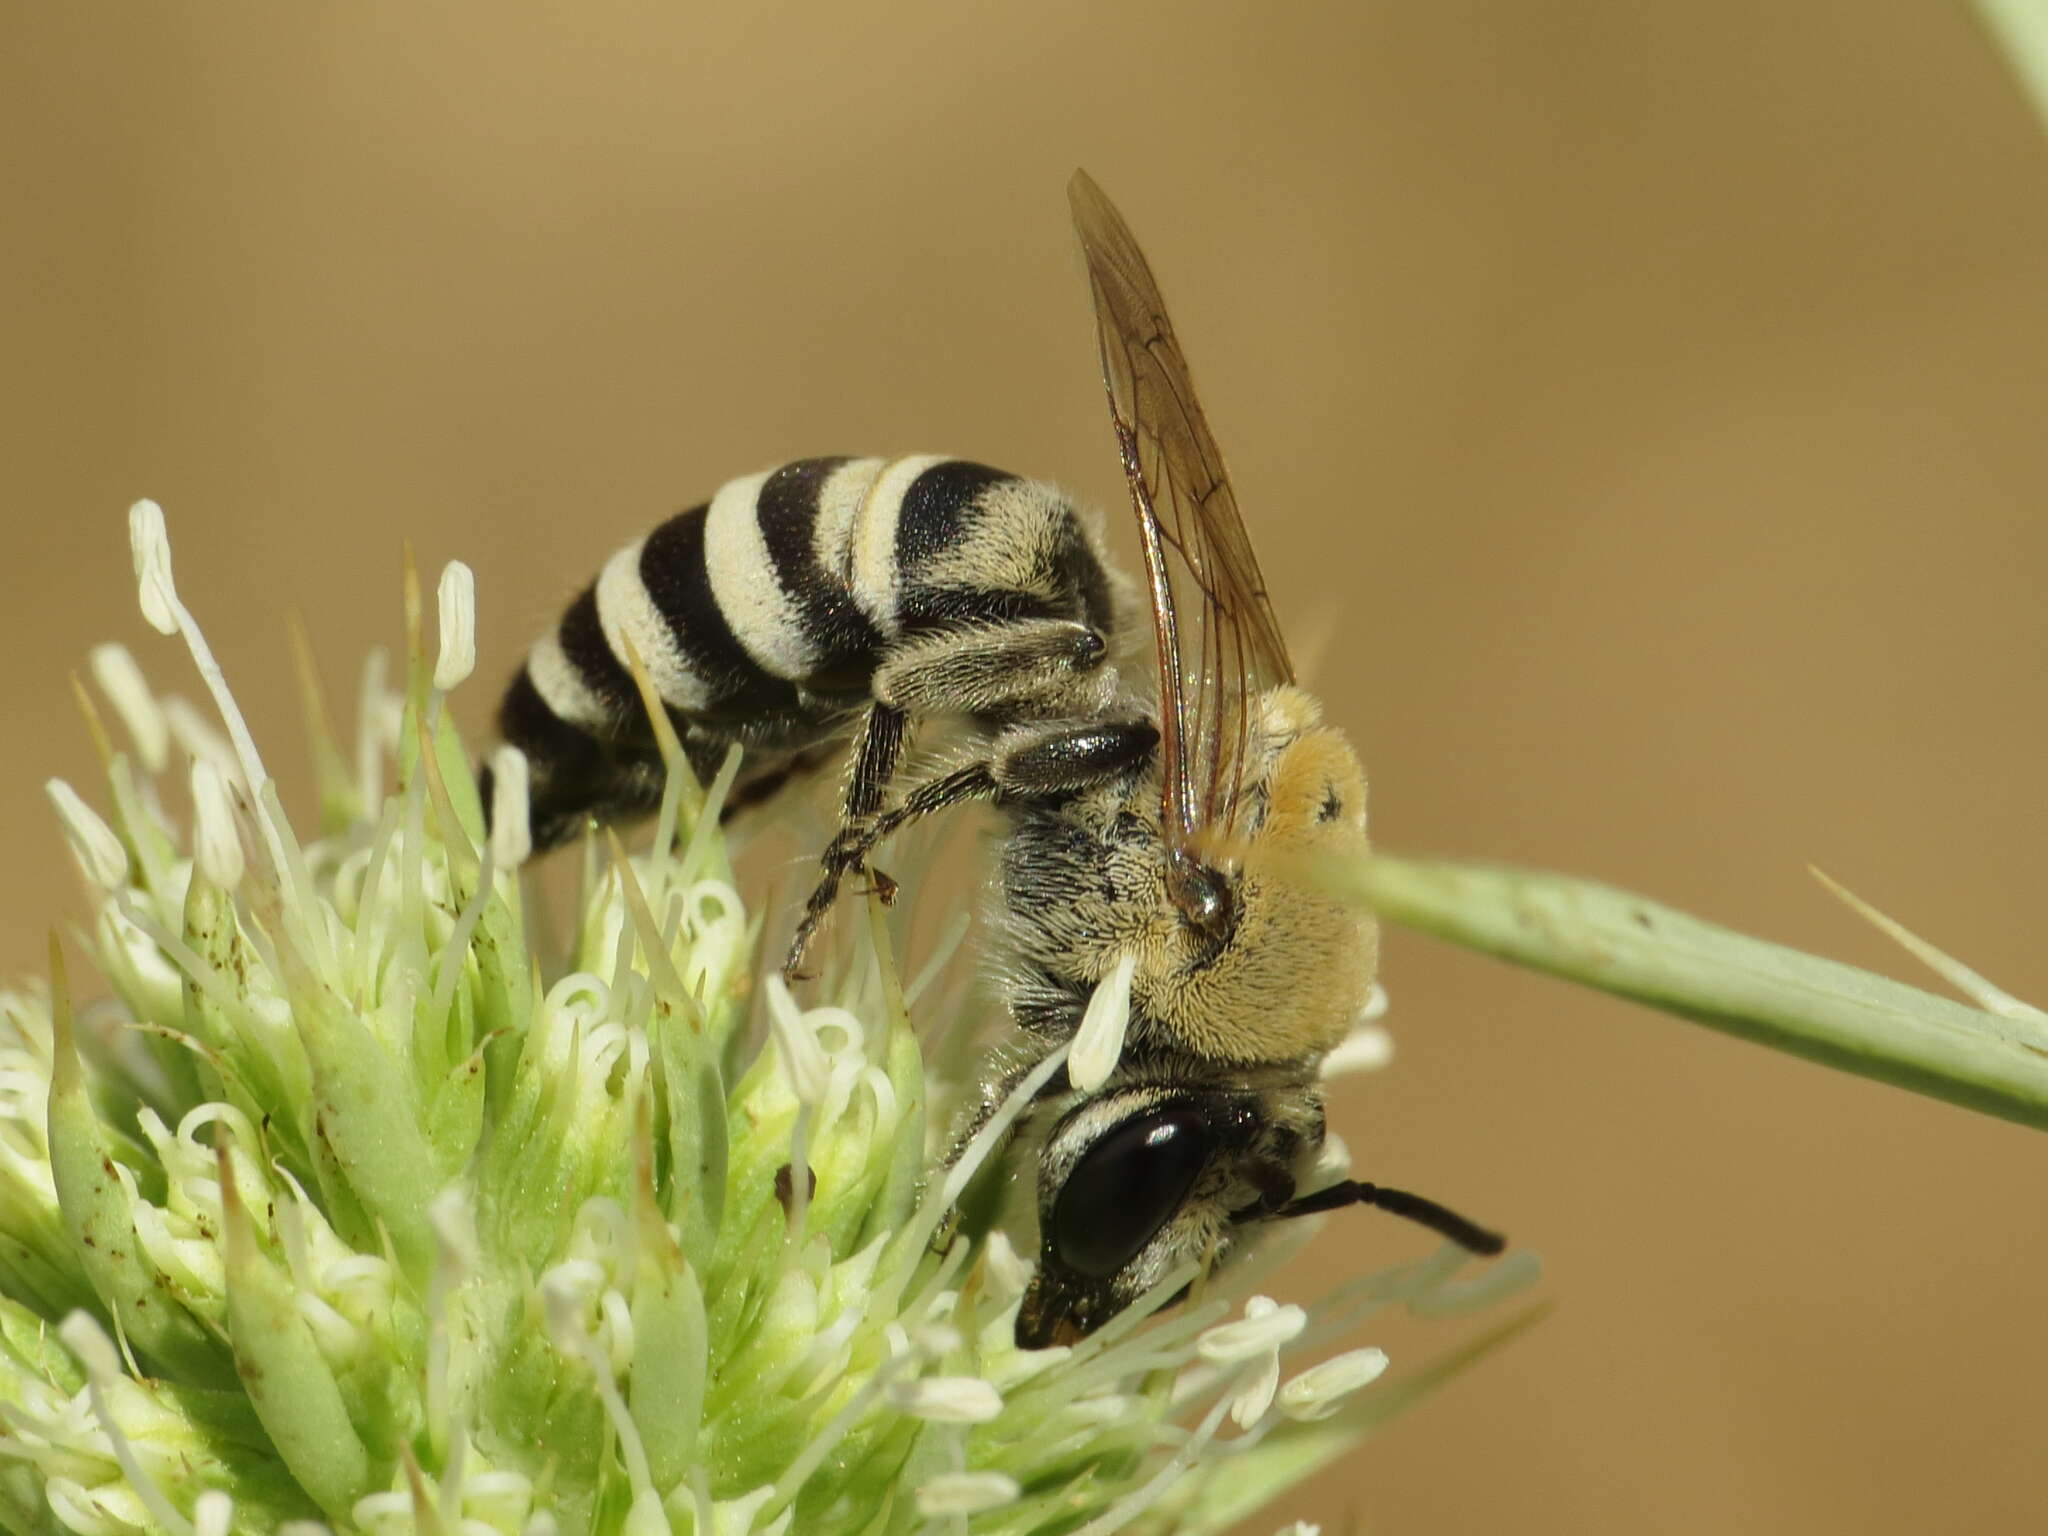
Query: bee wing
[(1219, 643)]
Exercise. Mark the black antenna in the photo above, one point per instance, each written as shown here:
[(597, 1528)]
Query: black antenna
[(1468, 1235)]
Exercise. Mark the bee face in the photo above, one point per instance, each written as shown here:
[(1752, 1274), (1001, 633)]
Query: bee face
[(1148, 1177)]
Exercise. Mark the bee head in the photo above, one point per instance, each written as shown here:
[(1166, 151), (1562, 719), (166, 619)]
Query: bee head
[(1143, 1179), (1164, 1170)]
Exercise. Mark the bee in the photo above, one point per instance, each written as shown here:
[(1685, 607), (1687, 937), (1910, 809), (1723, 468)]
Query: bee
[(839, 604)]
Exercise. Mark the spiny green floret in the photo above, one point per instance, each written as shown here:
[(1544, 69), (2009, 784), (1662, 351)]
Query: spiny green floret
[(337, 1212)]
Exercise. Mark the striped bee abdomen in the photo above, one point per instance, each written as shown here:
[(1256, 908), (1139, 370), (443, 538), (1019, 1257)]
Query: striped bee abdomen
[(765, 616)]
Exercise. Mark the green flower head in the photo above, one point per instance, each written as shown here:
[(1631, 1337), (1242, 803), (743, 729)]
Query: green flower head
[(358, 1207)]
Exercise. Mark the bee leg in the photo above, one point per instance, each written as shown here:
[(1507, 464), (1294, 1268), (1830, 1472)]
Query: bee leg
[(849, 850), (1036, 667), (875, 753), (1029, 762), (1062, 758), (877, 746)]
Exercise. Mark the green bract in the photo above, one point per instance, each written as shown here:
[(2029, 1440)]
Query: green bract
[(349, 1209)]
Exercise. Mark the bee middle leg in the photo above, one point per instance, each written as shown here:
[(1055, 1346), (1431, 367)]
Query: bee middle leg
[(1030, 667), (1028, 762)]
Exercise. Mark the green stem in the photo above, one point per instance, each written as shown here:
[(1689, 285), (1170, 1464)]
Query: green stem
[(2020, 29), (1622, 943)]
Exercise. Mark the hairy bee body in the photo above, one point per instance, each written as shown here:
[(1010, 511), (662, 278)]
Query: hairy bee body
[(851, 598), (827, 598)]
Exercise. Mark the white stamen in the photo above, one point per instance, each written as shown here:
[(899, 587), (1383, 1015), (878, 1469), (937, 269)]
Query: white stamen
[(216, 839), (947, 1399), (1265, 1325), (1318, 1391), (1375, 1005), (150, 545), (456, 1258), (457, 658), (735, 1516), (1131, 1505), (511, 809), (1099, 1042), (965, 1493), (1299, 1528), (1366, 1049), (95, 1351), (99, 853), (1008, 1274), (562, 1301), (213, 1512), (1253, 1342), (803, 1059), (197, 738), (1249, 1403), (86, 1339), (121, 680)]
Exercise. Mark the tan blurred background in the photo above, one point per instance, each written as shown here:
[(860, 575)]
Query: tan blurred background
[(1642, 404)]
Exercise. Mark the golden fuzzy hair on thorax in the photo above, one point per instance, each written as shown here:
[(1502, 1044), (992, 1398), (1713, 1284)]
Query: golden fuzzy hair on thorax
[(1299, 964)]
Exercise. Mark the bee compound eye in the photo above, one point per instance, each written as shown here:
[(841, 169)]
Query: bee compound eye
[(1126, 1187)]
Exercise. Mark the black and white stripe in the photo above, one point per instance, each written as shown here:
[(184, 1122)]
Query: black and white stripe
[(762, 616)]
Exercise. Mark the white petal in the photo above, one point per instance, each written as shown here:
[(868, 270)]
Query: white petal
[(121, 680), (511, 809), (216, 839), (93, 844), (1099, 1042), (1366, 1049), (1255, 1396), (803, 1059)]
